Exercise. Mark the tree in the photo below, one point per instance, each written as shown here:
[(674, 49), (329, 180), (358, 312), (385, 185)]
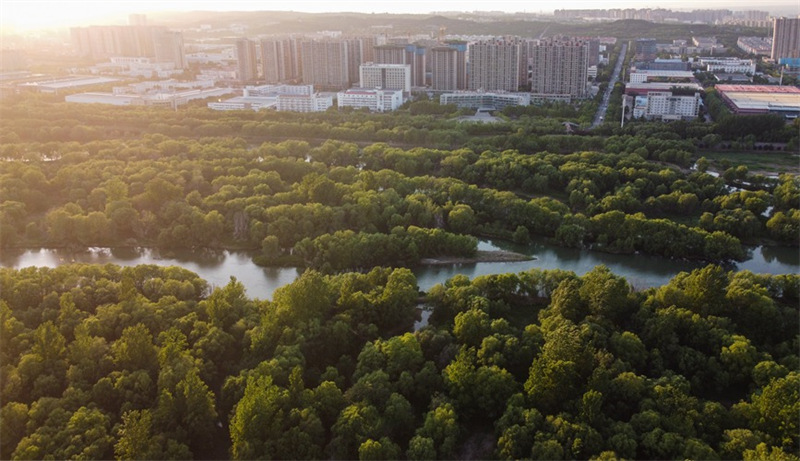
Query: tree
[(257, 419), (763, 451), (776, 409), (383, 449), (135, 436), (88, 435), (442, 428), (471, 327), (421, 448), (13, 419), (461, 219), (356, 424), (134, 350), (605, 294)]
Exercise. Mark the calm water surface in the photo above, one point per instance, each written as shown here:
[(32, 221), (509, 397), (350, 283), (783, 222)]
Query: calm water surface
[(217, 267)]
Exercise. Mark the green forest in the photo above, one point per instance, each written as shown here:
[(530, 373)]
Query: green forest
[(123, 180), (148, 362), (145, 363)]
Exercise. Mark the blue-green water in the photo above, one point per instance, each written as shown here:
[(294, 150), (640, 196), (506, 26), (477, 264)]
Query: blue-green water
[(218, 266)]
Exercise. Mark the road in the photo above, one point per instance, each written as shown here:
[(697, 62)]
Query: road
[(601, 111)]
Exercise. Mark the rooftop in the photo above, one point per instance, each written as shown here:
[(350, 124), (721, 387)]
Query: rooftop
[(764, 89)]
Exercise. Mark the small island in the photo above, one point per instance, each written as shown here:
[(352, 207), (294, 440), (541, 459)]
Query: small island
[(481, 256)]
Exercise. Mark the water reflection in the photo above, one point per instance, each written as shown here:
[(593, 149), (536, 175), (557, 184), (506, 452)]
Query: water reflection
[(127, 253), (217, 267), (769, 255)]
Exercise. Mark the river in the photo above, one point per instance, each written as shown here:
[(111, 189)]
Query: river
[(218, 266)]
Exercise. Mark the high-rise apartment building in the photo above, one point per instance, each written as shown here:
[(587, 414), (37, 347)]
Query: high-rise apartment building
[(273, 68), (390, 54), (413, 55), (103, 42), (786, 39), (360, 50), (594, 49), (494, 65), (392, 76), (168, 47), (246, 60), (416, 56), (326, 64), (280, 60), (449, 66), (559, 67), (444, 68)]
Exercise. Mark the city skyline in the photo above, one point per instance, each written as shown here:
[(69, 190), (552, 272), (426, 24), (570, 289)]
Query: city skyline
[(23, 16)]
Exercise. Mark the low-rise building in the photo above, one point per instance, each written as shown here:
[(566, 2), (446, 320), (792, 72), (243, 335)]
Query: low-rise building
[(290, 98), (106, 98), (732, 78), (663, 64), (641, 89), (664, 105), (394, 76), (304, 103), (728, 65), (376, 100), (493, 101), (642, 76), (277, 90), (755, 45), (66, 84), (168, 99), (245, 102), (761, 99)]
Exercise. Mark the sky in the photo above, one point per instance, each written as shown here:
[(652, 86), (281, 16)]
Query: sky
[(25, 15)]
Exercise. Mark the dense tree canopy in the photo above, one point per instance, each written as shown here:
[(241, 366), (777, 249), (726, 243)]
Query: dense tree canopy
[(147, 362), (541, 364)]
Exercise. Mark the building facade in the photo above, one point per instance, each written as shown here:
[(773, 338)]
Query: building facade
[(444, 68), (559, 67), (246, 60), (304, 103), (325, 64), (280, 60), (391, 76), (493, 101), (413, 55), (755, 45), (645, 49), (786, 39), (729, 65), (383, 100), (494, 65), (104, 42), (663, 105), (168, 47)]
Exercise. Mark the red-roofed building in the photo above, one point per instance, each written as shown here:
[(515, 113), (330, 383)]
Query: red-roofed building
[(761, 99)]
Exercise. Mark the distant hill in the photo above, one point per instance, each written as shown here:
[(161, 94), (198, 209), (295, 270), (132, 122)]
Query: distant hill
[(281, 22)]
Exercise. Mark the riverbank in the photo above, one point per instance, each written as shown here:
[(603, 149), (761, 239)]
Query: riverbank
[(482, 256)]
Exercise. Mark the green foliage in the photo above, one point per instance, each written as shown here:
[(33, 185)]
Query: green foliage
[(403, 247), (149, 363), (329, 369)]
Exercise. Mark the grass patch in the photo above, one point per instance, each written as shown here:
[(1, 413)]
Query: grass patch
[(775, 162)]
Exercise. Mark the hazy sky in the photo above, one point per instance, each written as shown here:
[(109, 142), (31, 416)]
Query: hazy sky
[(33, 14)]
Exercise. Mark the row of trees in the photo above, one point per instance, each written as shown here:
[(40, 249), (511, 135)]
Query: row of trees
[(29, 119), (147, 362)]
